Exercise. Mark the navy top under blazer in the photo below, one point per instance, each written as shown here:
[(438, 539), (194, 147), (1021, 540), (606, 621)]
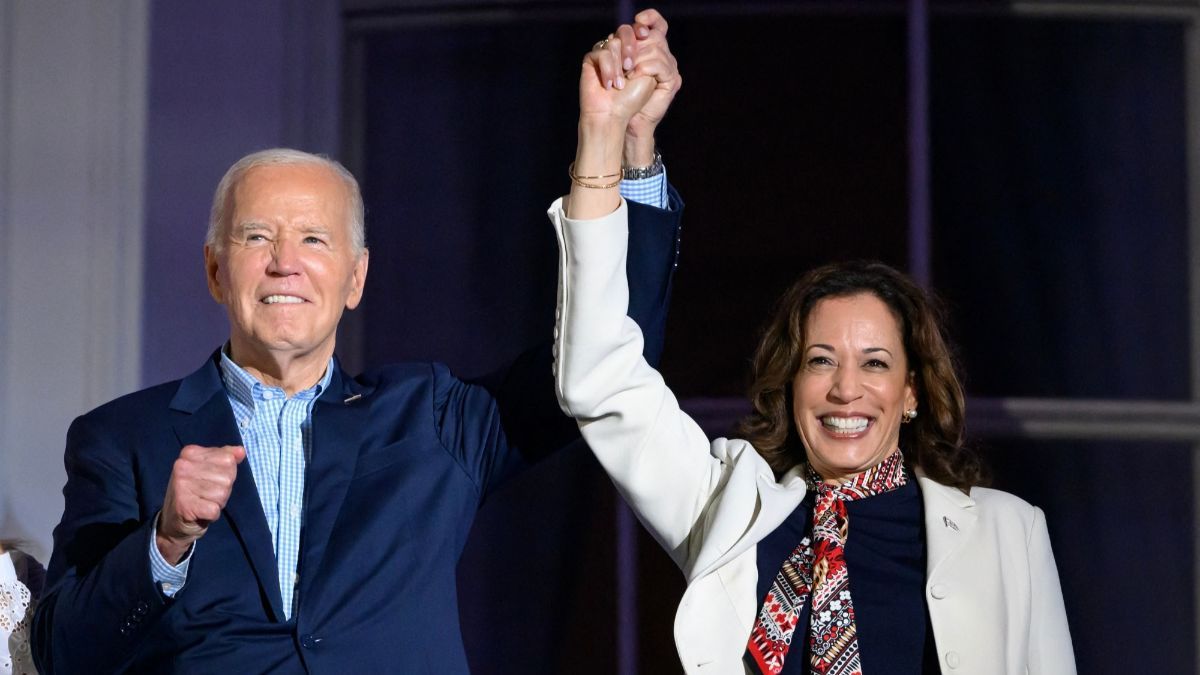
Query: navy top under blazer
[(885, 556), (402, 457)]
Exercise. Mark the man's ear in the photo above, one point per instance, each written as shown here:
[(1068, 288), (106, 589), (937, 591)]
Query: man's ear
[(211, 269), (358, 279)]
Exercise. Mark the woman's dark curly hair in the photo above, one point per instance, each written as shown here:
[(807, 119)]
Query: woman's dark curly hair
[(933, 441)]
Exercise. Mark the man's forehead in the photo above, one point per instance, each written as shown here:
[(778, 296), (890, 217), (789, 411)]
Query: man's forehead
[(298, 184), (283, 176)]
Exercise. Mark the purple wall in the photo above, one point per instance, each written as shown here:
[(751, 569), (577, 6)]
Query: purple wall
[(226, 78)]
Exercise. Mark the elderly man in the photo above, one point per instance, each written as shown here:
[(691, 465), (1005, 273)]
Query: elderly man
[(270, 512)]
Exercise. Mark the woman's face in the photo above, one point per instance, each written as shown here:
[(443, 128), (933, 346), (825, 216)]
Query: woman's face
[(852, 387)]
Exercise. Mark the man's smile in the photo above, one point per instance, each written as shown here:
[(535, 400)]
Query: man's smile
[(283, 300)]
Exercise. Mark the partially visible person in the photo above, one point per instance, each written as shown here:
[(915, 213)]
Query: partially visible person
[(21, 579), (272, 513), (847, 533)]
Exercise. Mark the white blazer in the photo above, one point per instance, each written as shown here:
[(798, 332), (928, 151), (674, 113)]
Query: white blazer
[(991, 585)]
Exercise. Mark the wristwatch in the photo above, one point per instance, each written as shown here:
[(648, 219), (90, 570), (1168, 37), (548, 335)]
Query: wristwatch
[(640, 172)]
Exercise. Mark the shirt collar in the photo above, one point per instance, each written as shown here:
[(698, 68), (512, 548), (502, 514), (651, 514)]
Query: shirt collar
[(246, 389)]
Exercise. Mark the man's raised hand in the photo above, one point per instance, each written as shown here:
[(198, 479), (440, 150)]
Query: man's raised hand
[(648, 54)]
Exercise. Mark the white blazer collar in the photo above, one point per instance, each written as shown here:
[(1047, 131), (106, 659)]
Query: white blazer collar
[(950, 516)]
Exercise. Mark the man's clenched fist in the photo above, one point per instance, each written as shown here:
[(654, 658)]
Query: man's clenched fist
[(201, 482)]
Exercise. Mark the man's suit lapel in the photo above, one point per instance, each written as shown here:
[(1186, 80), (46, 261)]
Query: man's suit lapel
[(338, 418), (949, 520), (201, 415)]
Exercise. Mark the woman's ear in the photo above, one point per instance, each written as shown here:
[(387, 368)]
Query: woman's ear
[(910, 391)]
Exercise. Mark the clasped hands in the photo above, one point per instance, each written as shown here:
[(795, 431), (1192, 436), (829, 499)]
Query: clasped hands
[(626, 84), (631, 77)]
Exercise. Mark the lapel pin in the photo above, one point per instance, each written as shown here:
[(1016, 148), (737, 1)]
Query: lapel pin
[(949, 523), (352, 399)]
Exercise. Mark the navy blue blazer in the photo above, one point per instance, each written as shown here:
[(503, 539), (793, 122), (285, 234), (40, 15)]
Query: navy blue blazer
[(402, 457)]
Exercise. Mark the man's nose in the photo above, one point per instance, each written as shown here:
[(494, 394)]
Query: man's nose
[(285, 257)]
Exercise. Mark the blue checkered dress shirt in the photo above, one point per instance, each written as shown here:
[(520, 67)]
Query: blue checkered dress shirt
[(277, 434)]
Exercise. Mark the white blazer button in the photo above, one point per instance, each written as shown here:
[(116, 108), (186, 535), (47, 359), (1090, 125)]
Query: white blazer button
[(952, 659), (938, 591)]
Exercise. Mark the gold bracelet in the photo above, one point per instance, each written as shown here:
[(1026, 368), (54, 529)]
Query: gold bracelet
[(578, 180)]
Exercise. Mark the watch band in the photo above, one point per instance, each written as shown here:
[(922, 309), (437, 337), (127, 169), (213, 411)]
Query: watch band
[(640, 172)]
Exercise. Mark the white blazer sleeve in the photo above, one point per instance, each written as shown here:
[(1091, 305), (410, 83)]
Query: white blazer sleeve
[(658, 457), (1050, 651)]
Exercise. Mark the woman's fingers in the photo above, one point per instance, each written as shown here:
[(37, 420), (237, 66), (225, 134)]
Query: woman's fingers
[(628, 42), (606, 57)]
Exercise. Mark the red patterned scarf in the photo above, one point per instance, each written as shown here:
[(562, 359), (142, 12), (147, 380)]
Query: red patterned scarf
[(818, 568)]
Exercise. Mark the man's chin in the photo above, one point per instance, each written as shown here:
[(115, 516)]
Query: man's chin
[(280, 344)]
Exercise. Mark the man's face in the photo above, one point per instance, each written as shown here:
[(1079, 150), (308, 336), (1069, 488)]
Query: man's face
[(286, 267)]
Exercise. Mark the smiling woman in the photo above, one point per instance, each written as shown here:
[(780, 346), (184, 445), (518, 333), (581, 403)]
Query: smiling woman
[(856, 429), (871, 308), (852, 386)]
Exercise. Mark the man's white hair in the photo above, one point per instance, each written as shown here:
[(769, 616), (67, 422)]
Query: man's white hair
[(222, 200)]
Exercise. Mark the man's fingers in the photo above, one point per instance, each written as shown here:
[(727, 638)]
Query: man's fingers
[(649, 21), (203, 512), (201, 481), (663, 72), (213, 486), (232, 453)]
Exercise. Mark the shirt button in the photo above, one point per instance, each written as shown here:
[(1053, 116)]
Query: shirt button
[(268, 395), (952, 659), (938, 591), (294, 510), (167, 586)]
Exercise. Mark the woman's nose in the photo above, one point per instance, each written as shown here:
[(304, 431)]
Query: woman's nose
[(846, 385)]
